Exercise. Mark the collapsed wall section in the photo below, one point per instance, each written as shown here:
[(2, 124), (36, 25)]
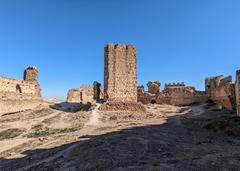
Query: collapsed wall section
[(84, 94), (221, 91), (237, 92), (17, 86), (174, 94)]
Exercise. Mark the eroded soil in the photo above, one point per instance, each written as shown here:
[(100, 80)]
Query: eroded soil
[(164, 138)]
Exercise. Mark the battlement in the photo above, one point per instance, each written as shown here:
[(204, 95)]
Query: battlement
[(140, 87), (31, 74), (119, 46), (32, 68), (173, 85)]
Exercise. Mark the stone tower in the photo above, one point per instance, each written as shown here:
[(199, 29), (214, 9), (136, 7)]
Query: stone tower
[(31, 74), (120, 73)]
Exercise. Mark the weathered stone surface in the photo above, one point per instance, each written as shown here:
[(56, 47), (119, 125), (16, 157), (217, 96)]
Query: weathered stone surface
[(237, 92), (74, 96), (84, 94), (17, 95), (145, 97), (31, 74), (221, 91), (153, 87), (96, 90), (120, 73), (173, 94), (122, 106)]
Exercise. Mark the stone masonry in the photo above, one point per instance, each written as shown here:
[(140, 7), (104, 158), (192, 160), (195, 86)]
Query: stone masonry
[(153, 87), (85, 94), (237, 92), (96, 90), (120, 73), (221, 91), (173, 94), (17, 95)]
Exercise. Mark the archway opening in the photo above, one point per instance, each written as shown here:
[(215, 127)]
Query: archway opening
[(153, 101), (18, 89)]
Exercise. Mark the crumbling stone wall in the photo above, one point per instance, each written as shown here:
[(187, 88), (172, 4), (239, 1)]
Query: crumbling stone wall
[(74, 96), (237, 92), (153, 87), (120, 74), (179, 94), (221, 91), (17, 86), (84, 95), (96, 90), (17, 95), (145, 97), (173, 94)]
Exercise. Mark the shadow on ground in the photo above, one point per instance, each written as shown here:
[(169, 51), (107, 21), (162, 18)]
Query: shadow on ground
[(71, 107), (179, 144)]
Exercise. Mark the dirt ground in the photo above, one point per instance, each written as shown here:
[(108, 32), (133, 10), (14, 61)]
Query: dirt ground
[(164, 138)]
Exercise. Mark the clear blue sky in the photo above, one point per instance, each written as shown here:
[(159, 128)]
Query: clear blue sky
[(176, 40)]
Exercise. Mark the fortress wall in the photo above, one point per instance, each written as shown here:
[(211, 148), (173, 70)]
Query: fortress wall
[(221, 91), (18, 95), (237, 92), (84, 94), (16, 86), (173, 94)]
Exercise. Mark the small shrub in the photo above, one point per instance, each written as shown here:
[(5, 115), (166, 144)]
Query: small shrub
[(38, 131), (41, 131)]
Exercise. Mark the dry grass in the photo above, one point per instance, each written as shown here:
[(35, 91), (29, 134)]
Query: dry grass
[(40, 130), (10, 133)]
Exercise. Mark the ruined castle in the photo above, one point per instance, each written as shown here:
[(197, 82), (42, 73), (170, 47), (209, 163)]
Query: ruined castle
[(120, 85), (18, 95), (120, 91)]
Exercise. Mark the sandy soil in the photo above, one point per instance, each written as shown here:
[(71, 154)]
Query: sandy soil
[(164, 138)]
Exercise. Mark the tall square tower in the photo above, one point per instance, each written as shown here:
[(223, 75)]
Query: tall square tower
[(120, 73)]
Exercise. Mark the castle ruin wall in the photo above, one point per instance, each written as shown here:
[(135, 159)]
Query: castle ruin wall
[(237, 92), (120, 74), (18, 95), (221, 91)]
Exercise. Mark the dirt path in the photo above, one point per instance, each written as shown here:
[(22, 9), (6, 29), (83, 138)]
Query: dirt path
[(94, 118)]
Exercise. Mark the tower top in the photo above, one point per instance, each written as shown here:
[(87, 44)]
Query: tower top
[(31, 74)]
